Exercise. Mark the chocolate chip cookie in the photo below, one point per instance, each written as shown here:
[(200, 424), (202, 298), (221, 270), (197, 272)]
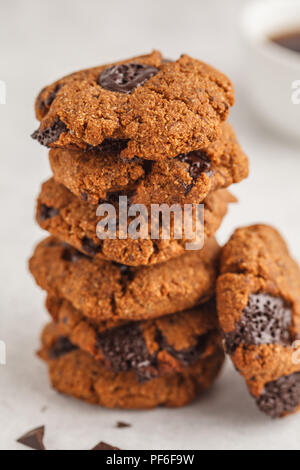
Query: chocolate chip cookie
[(150, 348), (258, 299), (154, 109), (76, 373), (96, 176), (106, 290), (75, 222)]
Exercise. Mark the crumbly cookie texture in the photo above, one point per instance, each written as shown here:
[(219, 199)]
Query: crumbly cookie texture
[(150, 348), (176, 108), (258, 300), (104, 290), (75, 222), (95, 176), (76, 373)]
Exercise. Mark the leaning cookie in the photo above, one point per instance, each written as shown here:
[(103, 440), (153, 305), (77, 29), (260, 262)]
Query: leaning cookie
[(159, 109), (150, 348), (105, 290), (95, 176), (258, 301), (76, 373), (75, 222)]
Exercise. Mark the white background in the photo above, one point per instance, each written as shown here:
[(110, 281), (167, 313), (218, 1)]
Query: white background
[(39, 42)]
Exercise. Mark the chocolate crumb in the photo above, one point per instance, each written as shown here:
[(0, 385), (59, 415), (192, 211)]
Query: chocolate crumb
[(103, 446), (121, 424)]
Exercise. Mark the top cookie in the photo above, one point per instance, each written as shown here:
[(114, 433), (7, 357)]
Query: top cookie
[(158, 109), (258, 297)]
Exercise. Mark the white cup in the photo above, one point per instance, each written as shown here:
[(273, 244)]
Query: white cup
[(272, 72)]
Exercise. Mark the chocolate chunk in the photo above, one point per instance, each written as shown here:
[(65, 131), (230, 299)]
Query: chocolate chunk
[(52, 95), (61, 347), (50, 134), (44, 105), (125, 78), (265, 320), (280, 396), (33, 439), (147, 165), (124, 349), (121, 424), (111, 145), (89, 246), (198, 162), (127, 275), (103, 446), (126, 271), (47, 212)]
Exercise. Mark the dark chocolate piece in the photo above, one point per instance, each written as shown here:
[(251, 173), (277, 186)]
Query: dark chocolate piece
[(121, 424), (44, 105), (33, 439), (89, 246), (280, 396), (50, 134), (265, 320), (61, 347), (47, 212), (103, 446), (126, 77), (124, 349), (198, 162)]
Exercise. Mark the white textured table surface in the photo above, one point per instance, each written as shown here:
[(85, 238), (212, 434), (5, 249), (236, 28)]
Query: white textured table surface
[(40, 41)]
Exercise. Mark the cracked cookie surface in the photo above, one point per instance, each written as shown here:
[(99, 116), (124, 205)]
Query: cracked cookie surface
[(75, 222), (76, 373), (258, 299), (106, 290), (176, 110)]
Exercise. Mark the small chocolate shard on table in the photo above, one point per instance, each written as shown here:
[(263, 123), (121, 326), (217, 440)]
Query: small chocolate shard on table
[(121, 424), (33, 438), (103, 446)]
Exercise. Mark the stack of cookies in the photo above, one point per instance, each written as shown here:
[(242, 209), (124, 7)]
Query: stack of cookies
[(134, 321)]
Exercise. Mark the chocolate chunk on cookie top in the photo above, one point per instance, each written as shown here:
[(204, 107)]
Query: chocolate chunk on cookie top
[(124, 78), (258, 300), (160, 109)]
